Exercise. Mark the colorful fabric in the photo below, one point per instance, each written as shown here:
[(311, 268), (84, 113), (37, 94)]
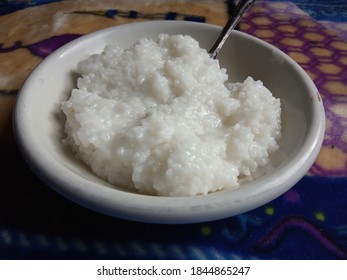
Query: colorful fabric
[(307, 222)]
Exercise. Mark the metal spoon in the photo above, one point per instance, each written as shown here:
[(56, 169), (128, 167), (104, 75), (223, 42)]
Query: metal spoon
[(240, 9)]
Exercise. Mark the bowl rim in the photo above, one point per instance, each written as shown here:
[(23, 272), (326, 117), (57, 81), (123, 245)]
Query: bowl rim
[(166, 210)]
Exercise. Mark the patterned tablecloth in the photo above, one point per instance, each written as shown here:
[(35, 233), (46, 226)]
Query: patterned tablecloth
[(307, 222)]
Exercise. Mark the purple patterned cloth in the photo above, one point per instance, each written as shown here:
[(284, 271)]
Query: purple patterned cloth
[(323, 55)]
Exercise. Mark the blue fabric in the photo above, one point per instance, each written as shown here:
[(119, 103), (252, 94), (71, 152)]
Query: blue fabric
[(8, 6), (330, 10)]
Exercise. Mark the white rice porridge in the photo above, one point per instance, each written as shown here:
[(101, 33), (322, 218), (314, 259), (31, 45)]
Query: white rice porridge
[(160, 118)]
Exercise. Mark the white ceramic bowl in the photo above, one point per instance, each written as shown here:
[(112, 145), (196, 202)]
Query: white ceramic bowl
[(39, 122)]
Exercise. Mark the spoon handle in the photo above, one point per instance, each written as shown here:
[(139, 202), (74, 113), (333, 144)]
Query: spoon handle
[(240, 9)]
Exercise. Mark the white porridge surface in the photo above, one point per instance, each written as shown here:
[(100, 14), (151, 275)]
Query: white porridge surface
[(161, 118)]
